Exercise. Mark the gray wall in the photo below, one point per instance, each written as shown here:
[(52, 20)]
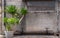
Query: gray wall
[(18, 3), (39, 21)]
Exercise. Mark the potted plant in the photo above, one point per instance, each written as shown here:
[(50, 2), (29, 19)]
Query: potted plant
[(17, 13), (10, 22), (11, 9), (17, 16)]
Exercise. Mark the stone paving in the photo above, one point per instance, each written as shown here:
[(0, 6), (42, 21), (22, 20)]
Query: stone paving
[(36, 36)]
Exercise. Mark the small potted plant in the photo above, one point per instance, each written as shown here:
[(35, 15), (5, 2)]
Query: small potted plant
[(11, 9), (17, 16), (10, 22)]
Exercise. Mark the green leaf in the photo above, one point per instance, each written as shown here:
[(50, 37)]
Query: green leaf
[(23, 11), (8, 27), (5, 19), (12, 20), (10, 9)]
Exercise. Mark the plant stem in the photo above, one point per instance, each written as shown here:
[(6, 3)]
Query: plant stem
[(21, 18)]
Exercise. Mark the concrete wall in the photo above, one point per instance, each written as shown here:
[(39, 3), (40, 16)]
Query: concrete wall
[(59, 16), (41, 21), (37, 22), (18, 3)]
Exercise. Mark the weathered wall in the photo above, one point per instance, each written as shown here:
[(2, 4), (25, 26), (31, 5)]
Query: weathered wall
[(38, 21), (41, 21), (58, 20), (18, 3)]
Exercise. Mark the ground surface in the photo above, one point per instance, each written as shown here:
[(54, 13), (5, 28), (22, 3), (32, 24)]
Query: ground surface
[(36, 36)]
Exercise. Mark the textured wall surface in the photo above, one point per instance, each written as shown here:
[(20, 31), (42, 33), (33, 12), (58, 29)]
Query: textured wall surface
[(41, 21), (37, 21), (18, 3)]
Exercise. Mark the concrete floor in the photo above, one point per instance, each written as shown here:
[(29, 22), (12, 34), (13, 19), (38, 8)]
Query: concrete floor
[(36, 36)]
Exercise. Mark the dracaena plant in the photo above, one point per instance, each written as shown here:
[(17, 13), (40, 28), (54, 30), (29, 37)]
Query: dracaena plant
[(23, 11), (11, 9), (17, 16), (20, 14)]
